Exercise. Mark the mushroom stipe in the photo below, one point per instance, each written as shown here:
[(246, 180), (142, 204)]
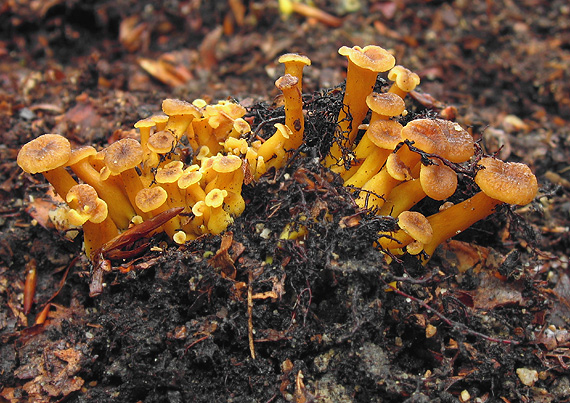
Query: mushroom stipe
[(196, 159)]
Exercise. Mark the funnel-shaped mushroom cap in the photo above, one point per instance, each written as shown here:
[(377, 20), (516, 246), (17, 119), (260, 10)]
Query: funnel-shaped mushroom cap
[(123, 155), (44, 153), (416, 225), (173, 107), (161, 142), (80, 154), (89, 205), (426, 134), (285, 82), (387, 104), (459, 144), (146, 123), (404, 78), (294, 58), (509, 182), (189, 178), (215, 197), (226, 163), (149, 199), (385, 133), (170, 173), (438, 181), (370, 57)]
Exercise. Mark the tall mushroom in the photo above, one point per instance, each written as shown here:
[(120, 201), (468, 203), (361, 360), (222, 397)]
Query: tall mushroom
[(294, 65), (364, 64)]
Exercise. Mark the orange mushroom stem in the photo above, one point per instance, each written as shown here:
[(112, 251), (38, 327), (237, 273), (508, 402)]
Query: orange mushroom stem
[(294, 119), (364, 64), (500, 182)]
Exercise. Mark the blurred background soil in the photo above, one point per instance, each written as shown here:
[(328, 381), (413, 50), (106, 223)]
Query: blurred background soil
[(170, 328)]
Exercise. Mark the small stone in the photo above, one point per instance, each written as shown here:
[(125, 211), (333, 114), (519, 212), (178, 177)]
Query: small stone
[(527, 376)]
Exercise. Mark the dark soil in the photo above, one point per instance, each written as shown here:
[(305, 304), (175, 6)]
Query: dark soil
[(173, 324)]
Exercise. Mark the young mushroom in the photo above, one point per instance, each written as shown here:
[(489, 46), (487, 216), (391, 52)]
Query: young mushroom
[(405, 81), (294, 65), (414, 227), (294, 119), (48, 154), (89, 211), (121, 158)]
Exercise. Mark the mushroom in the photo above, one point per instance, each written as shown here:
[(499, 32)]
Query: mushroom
[(89, 211), (159, 145), (180, 115), (383, 107), (377, 144), (218, 219), (153, 201), (294, 65), (190, 183), (364, 64), (145, 127), (294, 119), (500, 182), (121, 158), (229, 177), (120, 208), (48, 154), (167, 177), (414, 226), (405, 81), (272, 153)]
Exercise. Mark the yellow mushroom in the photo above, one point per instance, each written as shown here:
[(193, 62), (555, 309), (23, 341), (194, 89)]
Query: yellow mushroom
[(364, 64), (294, 64), (405, 81), (48, 154), (294, 119)]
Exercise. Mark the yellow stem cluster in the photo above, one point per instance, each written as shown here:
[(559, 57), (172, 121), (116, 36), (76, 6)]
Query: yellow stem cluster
[(131, 181)]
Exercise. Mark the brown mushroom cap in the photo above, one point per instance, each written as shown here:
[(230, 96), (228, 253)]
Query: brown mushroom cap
[(405, 79), (149, 199), (81, 153), (438, 181), (459, 144), (285, 82), (44, 153), (386, 104), (161, 142), (397, 168), (87, 205), (426, 134), (123, 155), (385, 133), (170, 173), (509, 182), (173, 107), (226, 163), (370, 57), (415, 225)]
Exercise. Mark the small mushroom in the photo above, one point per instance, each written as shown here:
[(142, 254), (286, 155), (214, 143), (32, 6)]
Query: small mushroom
[(272, 153), (377, 144), (414, 226), (121, 158), (218, 219), (294, 65), (48, 154), (294, 119), (180, 115), (153, 201), (405, 81), (89, 211)]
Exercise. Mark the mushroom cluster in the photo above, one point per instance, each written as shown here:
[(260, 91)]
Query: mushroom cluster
[(196, 156)]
